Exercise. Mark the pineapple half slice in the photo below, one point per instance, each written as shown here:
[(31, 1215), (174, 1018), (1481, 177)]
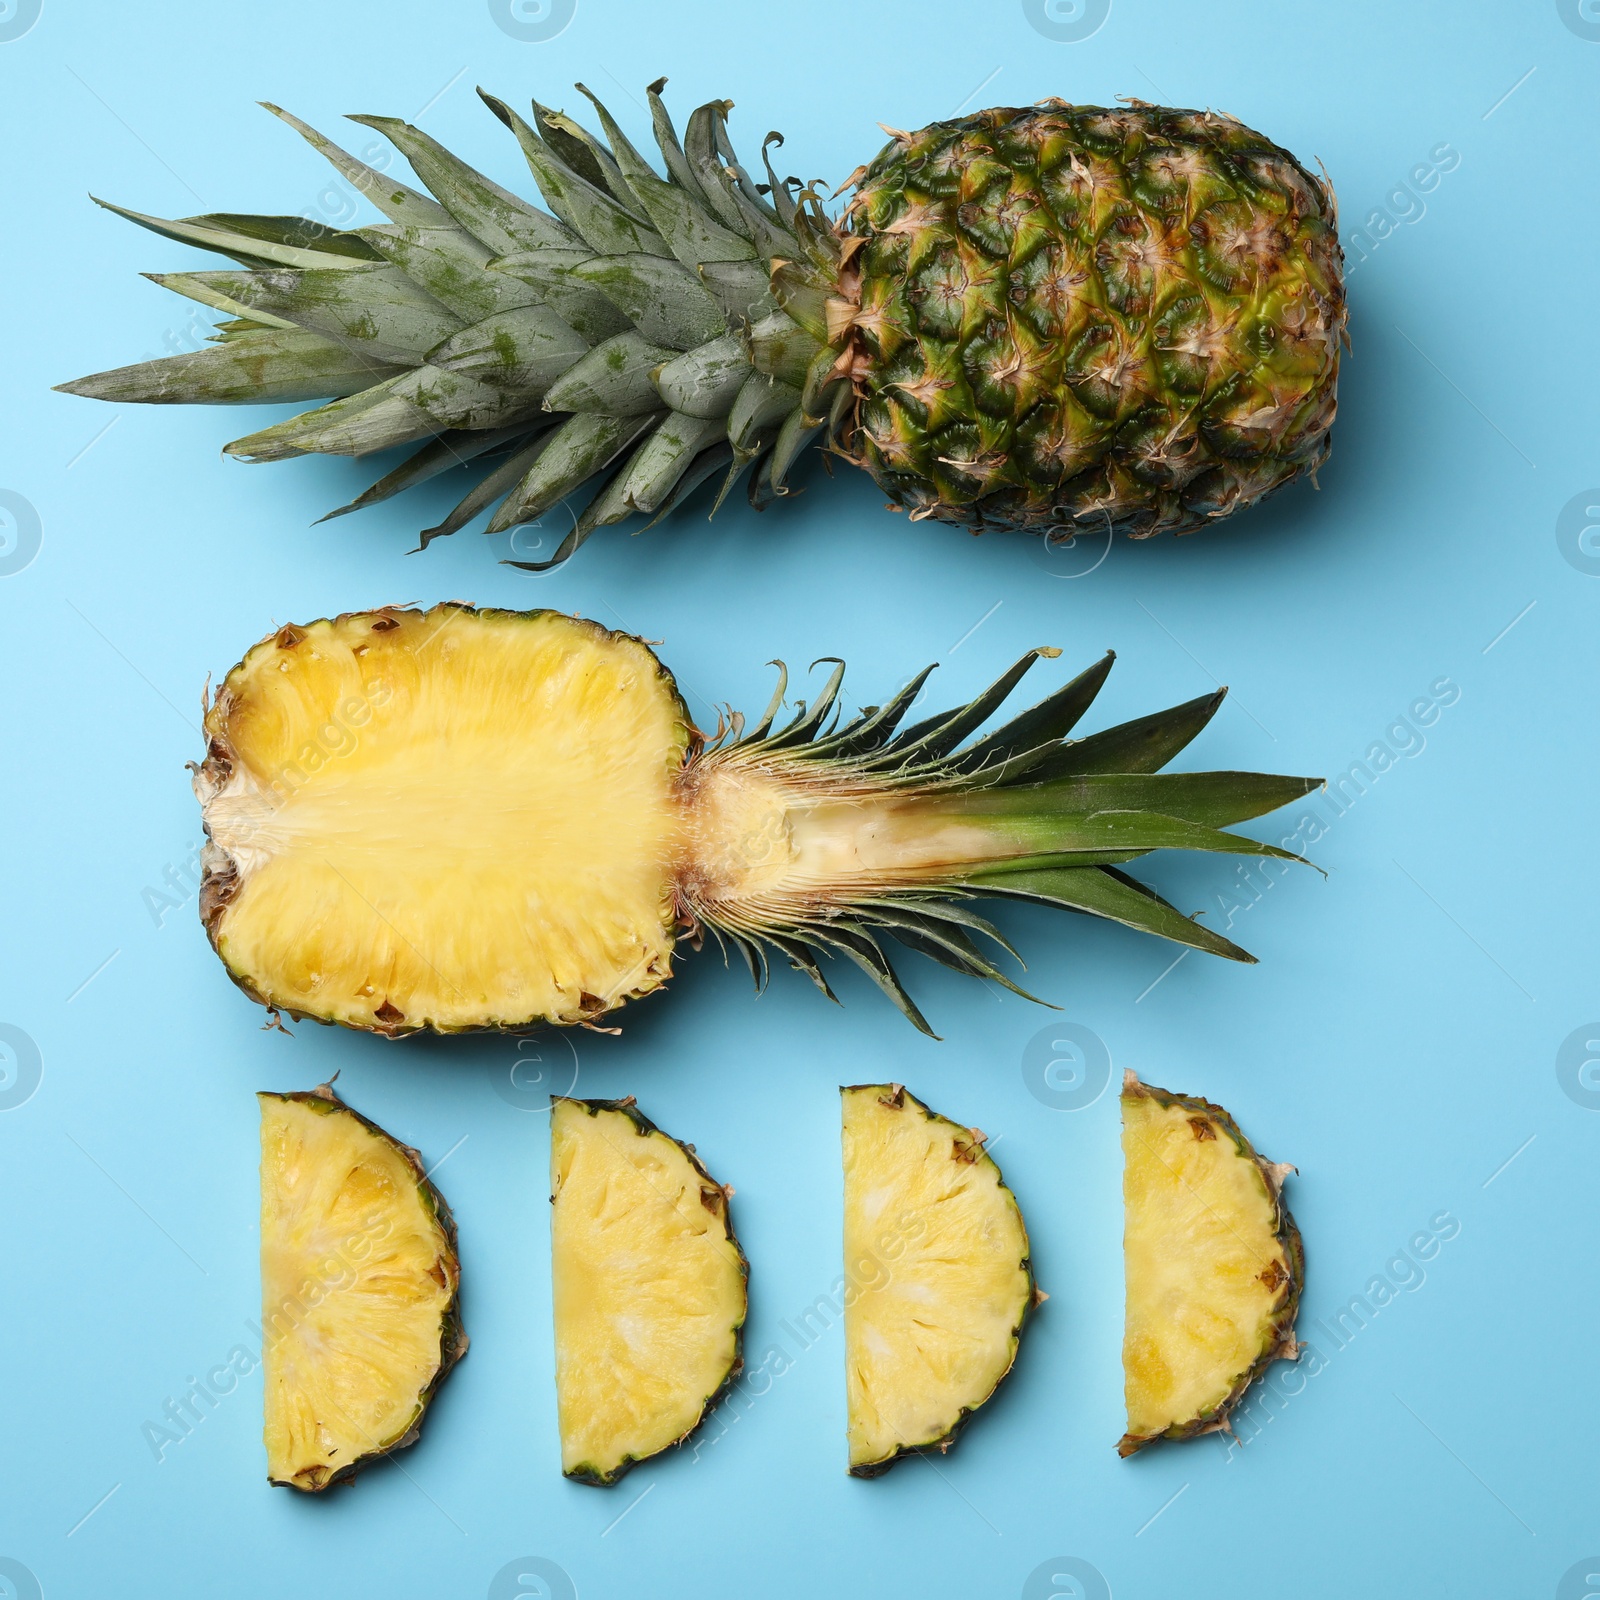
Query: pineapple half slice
[(649, 1287), (455, 819), (937, 1277), (1213, 1261), (359, 1289)]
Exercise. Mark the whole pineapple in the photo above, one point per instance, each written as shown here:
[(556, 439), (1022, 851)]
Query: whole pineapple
[(1056, 318)]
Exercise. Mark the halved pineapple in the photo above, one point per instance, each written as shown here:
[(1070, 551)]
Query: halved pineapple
[(937, 1277), (359, 1281), (1213, 1261), (453, 819), (445, 819), (649, 1287)]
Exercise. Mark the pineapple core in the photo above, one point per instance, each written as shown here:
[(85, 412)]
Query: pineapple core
[(1207, 1274), (447, 819), (937, 1281)]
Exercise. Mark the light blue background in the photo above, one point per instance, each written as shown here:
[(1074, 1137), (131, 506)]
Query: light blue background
[(1397, 1042)]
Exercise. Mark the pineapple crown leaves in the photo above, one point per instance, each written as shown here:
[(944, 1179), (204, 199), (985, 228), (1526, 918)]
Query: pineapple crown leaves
[(1089, 805), (645, 333)]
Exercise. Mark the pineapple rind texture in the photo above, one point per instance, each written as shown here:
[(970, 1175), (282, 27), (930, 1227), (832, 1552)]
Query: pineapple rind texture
[(1051, 318), (1214, 1264), (360, 1287), (446, 820), (938, 1282), (649, 1286), (1080, 317)]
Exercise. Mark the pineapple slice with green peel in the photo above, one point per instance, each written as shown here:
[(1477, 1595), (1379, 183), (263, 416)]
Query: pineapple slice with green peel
[(938, 1279), (1213, 1261), (359, 1290), (649, 1287), (455, 819)]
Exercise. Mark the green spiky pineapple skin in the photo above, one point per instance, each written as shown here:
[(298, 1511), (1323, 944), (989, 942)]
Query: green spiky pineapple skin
[(1074, 317)]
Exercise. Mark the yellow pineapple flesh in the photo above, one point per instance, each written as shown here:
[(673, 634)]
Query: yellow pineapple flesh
[(937, 1276), (359, 1281), (648, 1284), (1213, 1263)]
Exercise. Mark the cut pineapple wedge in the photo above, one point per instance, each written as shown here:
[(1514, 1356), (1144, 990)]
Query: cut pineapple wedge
[(359, 1280), (937, 1277), (1213, 1261), (649, 1287)]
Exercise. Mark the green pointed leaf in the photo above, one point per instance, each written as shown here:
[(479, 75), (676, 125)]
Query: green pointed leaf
[(938, 736), (195, 286), (1042, 833), (742, 289), (664, 458), (660, 296), (613, 378), (1053, 718), (253, 249), (677, 215), (371, 307), (453, 449), (523, 351), (1103, 892), (276, 364), (488, 490), (378, 419), (1216, 799), (706, 465), (802, 958), (864, 950), (397, 201), (874, 730), (941, 942), (587, 156), (677, 162), (495, 216), (580, 447), (582, 307), (797, 432), (774, 706), (761, 405), (453, 267), (295, 233), (1143, 745), (809, 719), (603, 225), (700, 151), (705, 381)]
